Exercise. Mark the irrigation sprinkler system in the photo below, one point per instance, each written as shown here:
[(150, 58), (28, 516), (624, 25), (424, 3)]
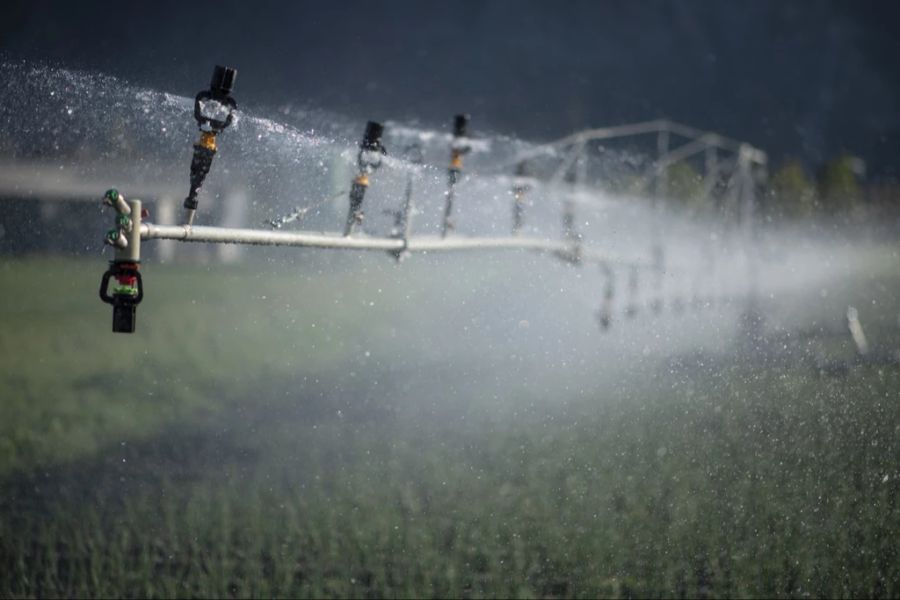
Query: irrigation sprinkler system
[(213, 111)]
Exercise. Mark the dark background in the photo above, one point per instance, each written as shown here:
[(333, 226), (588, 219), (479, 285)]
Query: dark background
[(803, 79)]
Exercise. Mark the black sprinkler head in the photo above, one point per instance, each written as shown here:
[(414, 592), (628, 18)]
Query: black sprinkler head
[(460, 122), (372, 138), (218, 117), (223, 80)]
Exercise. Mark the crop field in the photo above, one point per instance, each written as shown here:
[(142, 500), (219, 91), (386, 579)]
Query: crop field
[(315, 429)]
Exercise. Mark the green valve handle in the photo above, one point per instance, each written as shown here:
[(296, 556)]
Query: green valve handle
[(116, 237), (124, 222), (114, 198)]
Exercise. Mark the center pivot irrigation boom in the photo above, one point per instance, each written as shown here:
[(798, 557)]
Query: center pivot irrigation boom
[(213, 110)]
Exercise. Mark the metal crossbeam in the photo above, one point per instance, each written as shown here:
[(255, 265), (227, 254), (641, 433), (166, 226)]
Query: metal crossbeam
[(709, 138)]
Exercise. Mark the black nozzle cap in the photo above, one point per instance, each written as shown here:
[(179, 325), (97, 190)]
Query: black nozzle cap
[(124, 317), (460, 123), (223, 79), (372, 138)]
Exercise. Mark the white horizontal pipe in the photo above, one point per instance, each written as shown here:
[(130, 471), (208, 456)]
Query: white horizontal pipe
[(262, 237), (428, 243)]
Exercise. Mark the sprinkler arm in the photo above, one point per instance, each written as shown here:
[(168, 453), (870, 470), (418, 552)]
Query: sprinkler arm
[(219, 94), (404, 216), (459, 147), (521, 186), (368, 161)]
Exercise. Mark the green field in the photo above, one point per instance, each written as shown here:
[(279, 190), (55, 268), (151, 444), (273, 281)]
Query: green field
[(346, 429)]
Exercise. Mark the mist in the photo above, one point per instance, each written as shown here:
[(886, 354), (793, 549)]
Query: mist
[(302, 421)]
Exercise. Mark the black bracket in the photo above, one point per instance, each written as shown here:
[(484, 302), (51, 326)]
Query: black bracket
[(370, 147), (124, 305), (219, 91)]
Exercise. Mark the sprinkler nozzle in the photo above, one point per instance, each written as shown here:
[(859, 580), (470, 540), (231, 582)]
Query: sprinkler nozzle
[(115, 199), (213, 108), (223, 80), (460, 143), (370, 148), (460, 123), (372, 137), (127, 294)]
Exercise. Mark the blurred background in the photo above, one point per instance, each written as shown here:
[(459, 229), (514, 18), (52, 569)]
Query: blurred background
[(798, 79)]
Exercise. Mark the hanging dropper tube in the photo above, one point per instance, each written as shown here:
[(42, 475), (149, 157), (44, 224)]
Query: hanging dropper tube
[(403, 217), (213, 110), (459, 146), (371, 150), (569, 222), (521, 186)]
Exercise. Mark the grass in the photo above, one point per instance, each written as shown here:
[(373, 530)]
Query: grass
[(265, 457)]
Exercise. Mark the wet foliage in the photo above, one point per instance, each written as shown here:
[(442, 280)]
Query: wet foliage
[(702, 474)]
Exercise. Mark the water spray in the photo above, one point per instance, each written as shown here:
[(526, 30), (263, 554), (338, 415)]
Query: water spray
[(300, 212), (213, 110), (371, 151), (459, 146), (697, 301), (712, 287), (678, 305), (125, 237), (680, 293)]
